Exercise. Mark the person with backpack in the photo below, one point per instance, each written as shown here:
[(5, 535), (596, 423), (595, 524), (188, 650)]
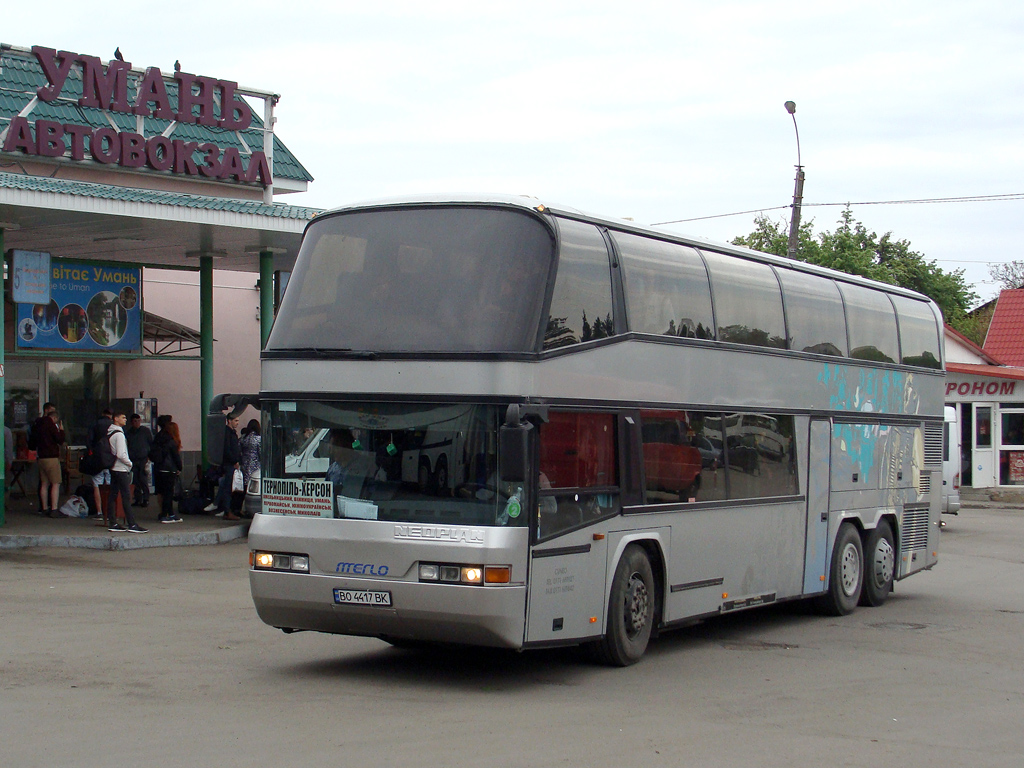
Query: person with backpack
[(98, 433), (166, 457), (48, 436), (120, 476)]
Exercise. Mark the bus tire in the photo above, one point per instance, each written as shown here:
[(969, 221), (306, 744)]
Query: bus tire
[(630, 610), (879, 564), (846, 576)]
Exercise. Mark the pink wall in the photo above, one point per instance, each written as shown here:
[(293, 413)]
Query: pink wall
[(236, 347)]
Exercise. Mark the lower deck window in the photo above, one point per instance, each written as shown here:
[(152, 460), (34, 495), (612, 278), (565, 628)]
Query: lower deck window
[(578, 481), (693, 456)]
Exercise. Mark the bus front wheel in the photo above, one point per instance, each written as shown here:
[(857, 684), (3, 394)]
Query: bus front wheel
[(846, 576), (879, 564), (630, 610)]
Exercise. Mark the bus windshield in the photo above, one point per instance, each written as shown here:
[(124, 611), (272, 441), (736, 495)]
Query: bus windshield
[(397, 462), (437, 279)]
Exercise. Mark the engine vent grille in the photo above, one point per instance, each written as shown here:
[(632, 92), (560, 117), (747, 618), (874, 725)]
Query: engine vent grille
[(933, 443), (914, 531)]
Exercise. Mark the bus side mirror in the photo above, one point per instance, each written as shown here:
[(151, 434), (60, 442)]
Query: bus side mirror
[(514, 452)]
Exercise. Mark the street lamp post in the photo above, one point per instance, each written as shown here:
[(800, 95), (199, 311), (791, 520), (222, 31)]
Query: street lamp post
[(798, 189)]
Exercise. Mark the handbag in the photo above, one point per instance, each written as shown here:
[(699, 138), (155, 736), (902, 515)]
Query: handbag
[(237, 481), (89, 463)]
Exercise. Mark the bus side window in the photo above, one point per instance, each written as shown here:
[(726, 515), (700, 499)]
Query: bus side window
[(578, 480)]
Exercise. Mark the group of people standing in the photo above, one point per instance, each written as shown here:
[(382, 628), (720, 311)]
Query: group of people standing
[(132, 451), (131, 448), (241, 455)]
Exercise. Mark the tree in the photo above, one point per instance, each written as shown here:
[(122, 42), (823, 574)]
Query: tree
[(854, 249), (1009, 275)]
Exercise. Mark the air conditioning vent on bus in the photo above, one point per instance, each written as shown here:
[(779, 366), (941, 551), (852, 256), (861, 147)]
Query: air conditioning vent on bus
[(914, 531), (933, 444)]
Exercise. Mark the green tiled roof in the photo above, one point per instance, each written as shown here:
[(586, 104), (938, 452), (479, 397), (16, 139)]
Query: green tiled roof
[(159, 197), (21, 76)]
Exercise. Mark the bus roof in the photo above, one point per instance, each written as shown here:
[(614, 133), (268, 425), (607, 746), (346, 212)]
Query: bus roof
[(534, 205)]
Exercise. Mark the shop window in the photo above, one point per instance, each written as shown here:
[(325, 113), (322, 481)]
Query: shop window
[(578, 477), (1011, 457)]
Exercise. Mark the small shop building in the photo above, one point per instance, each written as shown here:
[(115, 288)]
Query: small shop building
[(986, 386)]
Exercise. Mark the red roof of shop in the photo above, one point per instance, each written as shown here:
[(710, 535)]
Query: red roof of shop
[(1005, 338), (995, 371)]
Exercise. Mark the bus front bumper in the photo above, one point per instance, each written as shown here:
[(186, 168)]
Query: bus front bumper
[(447, 613)]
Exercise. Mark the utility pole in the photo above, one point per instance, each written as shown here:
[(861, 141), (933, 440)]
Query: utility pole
[(798, 189)]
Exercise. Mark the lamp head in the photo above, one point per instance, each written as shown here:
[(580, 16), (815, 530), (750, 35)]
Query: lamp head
[(791, 107)]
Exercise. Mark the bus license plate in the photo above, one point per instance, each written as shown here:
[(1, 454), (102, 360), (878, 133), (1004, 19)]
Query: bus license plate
[(361, 597)]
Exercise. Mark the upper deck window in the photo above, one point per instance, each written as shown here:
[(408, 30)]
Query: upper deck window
[(872, 324), (748, 301), (581, 305), (435, 279), (814, 308), (919, 333), (667, 290)]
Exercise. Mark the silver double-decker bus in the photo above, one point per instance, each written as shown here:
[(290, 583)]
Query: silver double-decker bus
[(499, 423)]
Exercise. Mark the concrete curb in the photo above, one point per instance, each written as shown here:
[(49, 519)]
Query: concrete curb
[(126, 541)]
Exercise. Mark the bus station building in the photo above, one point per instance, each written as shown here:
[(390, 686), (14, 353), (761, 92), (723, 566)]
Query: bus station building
[(143, 247)]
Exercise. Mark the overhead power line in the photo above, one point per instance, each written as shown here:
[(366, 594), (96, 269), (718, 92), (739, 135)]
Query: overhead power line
[(916, 201)]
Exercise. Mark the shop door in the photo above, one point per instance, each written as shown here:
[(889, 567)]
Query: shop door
[(983, 465)]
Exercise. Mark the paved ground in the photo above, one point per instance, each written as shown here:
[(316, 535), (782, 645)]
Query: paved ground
[(25, 528), (156, 657)]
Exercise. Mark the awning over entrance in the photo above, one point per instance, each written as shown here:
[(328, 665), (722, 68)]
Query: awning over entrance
[(103, 222), (164, 337)]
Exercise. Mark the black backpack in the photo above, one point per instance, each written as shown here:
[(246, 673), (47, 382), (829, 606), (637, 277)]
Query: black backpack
[(105, 453)]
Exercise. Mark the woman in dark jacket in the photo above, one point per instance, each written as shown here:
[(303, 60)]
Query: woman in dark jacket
[(166, 457)]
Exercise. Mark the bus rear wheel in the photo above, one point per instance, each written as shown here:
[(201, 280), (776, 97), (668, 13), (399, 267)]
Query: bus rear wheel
[(846, 576), (879, 564), (630, 610)]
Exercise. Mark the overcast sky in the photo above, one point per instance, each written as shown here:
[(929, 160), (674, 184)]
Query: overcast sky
[(654, 111)]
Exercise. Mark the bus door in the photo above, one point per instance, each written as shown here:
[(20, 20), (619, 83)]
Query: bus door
[(818, 473), (577, 492)]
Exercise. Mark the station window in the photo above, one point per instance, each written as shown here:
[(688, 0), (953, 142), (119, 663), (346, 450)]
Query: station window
[(581, 305)]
